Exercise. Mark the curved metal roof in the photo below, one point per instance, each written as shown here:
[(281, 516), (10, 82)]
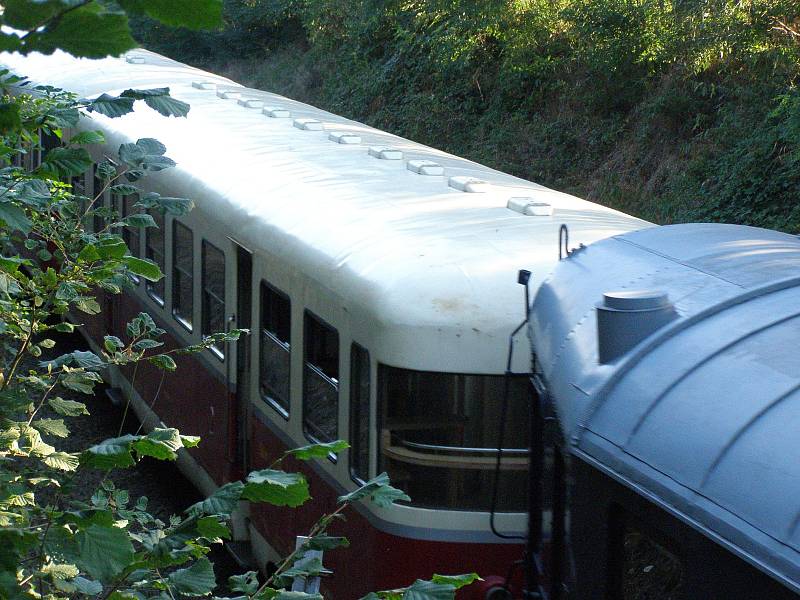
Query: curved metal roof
[(433, 267), (703, 416)]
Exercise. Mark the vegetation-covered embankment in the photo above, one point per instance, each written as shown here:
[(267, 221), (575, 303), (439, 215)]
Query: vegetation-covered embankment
[(675, 110)]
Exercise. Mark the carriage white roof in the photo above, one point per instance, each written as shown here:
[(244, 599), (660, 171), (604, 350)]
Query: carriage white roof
[(432, 266), (703, 416)]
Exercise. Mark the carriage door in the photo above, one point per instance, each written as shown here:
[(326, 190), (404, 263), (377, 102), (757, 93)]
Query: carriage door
[(241, 320)]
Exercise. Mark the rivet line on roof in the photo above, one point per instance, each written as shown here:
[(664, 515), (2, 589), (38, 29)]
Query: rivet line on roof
[(308, 124), (341, 137), (385, 153), (425, 167), (276, 113), (251, 103), (204, 85), (530, 207), (468, 184)]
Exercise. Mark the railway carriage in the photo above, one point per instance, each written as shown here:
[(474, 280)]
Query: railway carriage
[(377, 277)]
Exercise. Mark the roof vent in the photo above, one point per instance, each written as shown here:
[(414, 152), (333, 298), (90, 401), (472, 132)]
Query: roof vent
[(385, 153), (425, 167), (229, 94), (251, 103), (530, 207), (275, 112), (134, 59), (625, 318), (308, 124), (204, 85), (468, 184), (341, 137)]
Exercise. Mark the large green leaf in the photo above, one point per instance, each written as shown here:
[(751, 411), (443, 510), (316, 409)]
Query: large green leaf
[(159, 100), (162, 444), (112, 453), (318, 450), (104, 551), (428, 590), (143, 268), (275, 487), (457, 581), (26, 15), (221, 502), (110, 106), (67, 408), (55, 427), (192, 14), (88, 137), (196, 580), (88, 31), (14, 217), (9, 117), (63, 461), (378, 490), (67, 162)]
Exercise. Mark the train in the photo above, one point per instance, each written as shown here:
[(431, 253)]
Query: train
[(618, 427), (373, 274), (667, 358)]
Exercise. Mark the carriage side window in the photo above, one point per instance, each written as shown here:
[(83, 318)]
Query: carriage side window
[(182, 274), (275, 348), (320, 379), (154, 250), (99, 198), (644, 563), (359, 413), (213, 293), (438, 438), (131, 235)]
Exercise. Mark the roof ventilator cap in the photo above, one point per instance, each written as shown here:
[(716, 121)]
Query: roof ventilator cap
[(625, 318), (341, 137), (204, 85), (468, 184), (275, 112), (134, 59), (229, 94), (251, 103), (385, 153), (425, 167), (530, 207), (308, 124)]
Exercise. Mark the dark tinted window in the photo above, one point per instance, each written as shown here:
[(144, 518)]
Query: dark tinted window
[(154, 250), (131, 235), (213, 292), (320, 379), (438, 438), (182, 274), (359, 413), (99, 194), (275, 348)]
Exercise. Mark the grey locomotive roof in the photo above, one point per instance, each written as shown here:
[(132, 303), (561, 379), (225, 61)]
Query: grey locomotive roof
[(703, 416)]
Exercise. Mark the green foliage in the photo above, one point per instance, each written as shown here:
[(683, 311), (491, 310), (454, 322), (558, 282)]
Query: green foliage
[(674, 110)]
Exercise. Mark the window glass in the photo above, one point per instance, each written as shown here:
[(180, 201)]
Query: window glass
[(213, 293), (275, 348), (154, 250), (131, 235), (650, 569), (98, 221), (320, 379), (439, 433), (182, 274), (359, 413)]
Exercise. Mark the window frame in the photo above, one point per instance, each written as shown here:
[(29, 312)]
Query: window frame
[(177, 312), (356, 399), (205, 293), (150, 286), (335, 382), (265, 286), (130, 233)]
